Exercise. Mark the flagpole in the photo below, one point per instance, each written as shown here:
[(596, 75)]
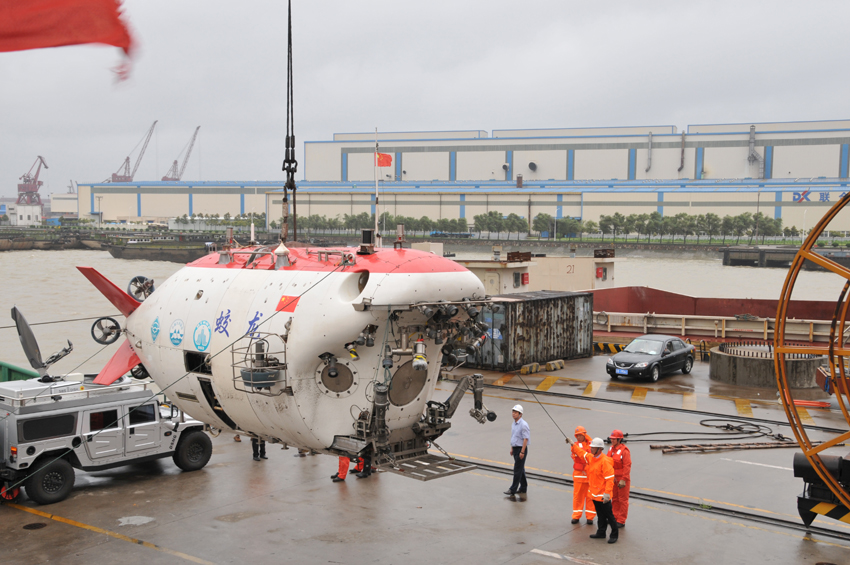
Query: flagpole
[(377, 209)]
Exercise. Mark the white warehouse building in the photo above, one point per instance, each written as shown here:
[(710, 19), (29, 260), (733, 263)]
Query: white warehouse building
[(780, 169)]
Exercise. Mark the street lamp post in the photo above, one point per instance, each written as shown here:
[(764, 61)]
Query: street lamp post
[(99, 213)]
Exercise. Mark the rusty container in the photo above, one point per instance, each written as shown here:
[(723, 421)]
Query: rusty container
[(535, 327)]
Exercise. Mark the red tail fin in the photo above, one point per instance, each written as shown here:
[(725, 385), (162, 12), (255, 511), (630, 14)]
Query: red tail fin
[(125, 303), (123, 360)]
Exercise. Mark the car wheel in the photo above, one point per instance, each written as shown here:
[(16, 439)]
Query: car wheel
[(689, 364), (193, 451), (51, 482), (654, 373)]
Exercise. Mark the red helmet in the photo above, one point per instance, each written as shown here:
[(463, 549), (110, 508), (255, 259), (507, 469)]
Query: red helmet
[(616, 434)]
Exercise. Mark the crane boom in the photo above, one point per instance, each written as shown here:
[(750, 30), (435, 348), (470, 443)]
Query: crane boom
[(128, 176), (28, 190), (142, 152), (174, 173)]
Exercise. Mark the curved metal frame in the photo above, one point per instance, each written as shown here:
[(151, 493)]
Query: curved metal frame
[(836, 350)]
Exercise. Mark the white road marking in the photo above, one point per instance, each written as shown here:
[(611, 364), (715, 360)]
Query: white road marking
[(759, 464), (564, 557)]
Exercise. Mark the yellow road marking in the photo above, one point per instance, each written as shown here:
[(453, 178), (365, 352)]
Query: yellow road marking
[(639, 394), (744, 408), (547, 383), (689, 401), (804, 416), (109, 533), (592, 388), (504, 379)]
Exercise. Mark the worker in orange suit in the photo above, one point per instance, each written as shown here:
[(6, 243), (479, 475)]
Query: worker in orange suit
[(622, 461), (581, 494), (344, 463), (600, 480)]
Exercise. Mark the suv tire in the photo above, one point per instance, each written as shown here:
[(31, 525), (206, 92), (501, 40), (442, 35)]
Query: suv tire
[(51, 482), (193, 451)]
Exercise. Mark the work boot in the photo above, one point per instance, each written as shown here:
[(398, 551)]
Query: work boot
[(338, 480), (335, 475), (263, 457), (590, 522), (612, 539), (256, 458), (363, 475), (574, 521), (619, 525), (598, 535)]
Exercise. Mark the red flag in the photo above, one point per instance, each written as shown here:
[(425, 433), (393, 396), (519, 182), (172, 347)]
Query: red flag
[(385, 160), (33, 24), (287, 303)]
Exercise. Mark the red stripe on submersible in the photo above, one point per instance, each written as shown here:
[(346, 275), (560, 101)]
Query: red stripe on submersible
[(382, 261)]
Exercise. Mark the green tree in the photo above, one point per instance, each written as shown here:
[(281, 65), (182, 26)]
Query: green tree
[(653, 225), (542, 222), (711, 225)]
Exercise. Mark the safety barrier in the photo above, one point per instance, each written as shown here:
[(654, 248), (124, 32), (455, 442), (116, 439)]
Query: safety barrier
[(608, 347), (555, 365), (529, 369)]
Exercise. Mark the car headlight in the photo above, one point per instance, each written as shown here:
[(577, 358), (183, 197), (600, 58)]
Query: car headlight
[(610, 361), (639, 365)]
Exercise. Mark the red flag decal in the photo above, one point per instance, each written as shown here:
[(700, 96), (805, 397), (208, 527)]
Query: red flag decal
[(34, 24), (385, 160), (287, 304)]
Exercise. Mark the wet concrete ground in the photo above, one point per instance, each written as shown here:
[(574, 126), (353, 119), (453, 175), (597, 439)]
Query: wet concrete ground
[(286, 510)]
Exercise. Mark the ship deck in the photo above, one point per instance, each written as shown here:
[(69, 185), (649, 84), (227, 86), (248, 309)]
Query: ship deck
[(287, 510)]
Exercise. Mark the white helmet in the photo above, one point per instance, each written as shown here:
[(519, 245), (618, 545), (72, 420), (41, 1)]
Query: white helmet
[(597, 442), (517, 408)]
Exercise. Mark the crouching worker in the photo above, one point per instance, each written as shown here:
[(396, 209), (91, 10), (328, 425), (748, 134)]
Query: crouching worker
[(600, 478)]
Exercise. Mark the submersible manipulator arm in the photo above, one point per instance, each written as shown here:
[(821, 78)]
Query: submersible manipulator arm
[(478, 411)]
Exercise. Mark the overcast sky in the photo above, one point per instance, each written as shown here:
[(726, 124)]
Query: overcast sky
[(408, 66)]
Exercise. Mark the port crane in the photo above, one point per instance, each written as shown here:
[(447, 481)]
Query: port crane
[(123, 174), (28, 190), (174, 173)]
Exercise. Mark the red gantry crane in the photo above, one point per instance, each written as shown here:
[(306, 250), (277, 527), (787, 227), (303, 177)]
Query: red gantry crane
[(175, 174), (28, 190), (127, 176)]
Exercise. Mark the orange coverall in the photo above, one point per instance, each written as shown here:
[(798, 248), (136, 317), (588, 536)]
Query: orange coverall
[(622, 460), (581, 492), (600, 474), (344, 463)]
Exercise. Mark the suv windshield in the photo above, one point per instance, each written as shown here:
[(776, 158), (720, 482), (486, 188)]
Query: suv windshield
[(647, 346)]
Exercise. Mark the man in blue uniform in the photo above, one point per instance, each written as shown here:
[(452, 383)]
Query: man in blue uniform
[(520, 435)]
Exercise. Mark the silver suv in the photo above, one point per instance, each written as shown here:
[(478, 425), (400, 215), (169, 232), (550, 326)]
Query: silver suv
[(50, 426), (50, 429)]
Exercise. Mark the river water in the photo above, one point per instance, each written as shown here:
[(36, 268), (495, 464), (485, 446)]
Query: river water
[(46, 287)]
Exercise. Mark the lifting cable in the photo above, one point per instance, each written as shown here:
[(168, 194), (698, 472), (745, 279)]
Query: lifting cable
[(541, 405), (290, 165), (116, 315)]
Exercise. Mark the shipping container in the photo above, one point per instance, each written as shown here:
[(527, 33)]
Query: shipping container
[(535, 327)]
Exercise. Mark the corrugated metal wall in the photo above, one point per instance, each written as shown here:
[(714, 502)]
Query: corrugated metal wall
[(536, 327)]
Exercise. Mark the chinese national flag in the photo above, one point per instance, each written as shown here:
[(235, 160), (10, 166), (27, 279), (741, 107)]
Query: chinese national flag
[(287, 303), (385, 160), (33, 24)]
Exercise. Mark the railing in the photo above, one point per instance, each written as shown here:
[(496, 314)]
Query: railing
[(9, 372), (714, 326)]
